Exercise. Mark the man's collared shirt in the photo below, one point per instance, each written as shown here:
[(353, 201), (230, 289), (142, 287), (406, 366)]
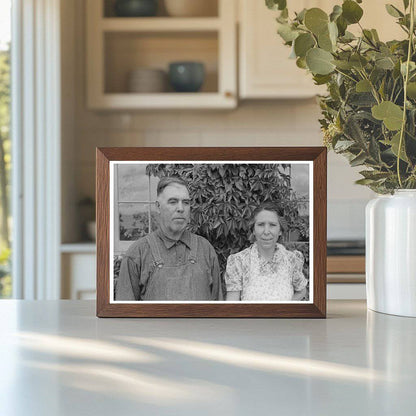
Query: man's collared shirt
[(138, 264)]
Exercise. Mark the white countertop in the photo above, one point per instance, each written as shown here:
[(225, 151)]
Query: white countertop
[(57, 358)]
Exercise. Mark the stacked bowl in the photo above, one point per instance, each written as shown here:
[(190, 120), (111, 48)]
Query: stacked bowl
[(147, 80)]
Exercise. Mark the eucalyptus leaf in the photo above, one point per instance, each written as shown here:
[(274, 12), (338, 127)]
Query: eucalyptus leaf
[(368, 35), (358, 61), (286, 32), (385, 63), (316, 20), (336, 12), (375, 35), (351, 11), (393, 11), (284, 13), (377, 74), (347, 37), (375, 175), (358, 160), (411, 90), (276, 4), (364, 181), (412, 67), (343, 65), (301, 63), (396, 71), (303, 43), (325, 42), (300, 17), (381, 89), (374, 150), (391, 114), (342, 145), (319, 61), (333, 32), (342, 25), (361, 99), (363, 86), (394, 144), (321, 79)]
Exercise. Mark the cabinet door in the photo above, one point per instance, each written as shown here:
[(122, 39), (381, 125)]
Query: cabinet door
[(265, 68)]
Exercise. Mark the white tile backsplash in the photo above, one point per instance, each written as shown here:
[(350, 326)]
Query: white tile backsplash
[(346, 219)]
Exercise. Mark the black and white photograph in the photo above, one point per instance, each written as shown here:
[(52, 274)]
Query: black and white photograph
[(211, 231)]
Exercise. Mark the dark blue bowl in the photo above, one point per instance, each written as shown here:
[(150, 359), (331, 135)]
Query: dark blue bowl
[(186, 76), (135, 8)]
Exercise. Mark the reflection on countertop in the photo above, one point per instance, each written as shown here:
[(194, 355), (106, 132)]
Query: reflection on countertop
[(354, 362)]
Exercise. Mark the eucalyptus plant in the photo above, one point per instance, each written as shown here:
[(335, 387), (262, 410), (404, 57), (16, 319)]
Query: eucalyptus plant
[(369, 112)]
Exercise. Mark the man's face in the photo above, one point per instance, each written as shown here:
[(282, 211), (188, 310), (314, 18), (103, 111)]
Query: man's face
[(174, 209)]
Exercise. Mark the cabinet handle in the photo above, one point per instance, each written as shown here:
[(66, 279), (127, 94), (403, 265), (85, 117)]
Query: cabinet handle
[(228, 94)]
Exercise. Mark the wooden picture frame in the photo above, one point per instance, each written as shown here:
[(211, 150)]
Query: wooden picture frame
[(315, 157)]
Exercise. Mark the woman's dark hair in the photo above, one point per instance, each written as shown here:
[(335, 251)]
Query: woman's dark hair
[(267, 206)]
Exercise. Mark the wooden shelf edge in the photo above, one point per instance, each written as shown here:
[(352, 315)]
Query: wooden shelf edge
[(159, 24), (162, 101)]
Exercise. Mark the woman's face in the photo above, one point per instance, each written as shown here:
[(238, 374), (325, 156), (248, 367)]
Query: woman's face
[(266, 229)]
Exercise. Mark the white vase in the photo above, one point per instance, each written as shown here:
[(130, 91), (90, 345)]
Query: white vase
[(391, 253)]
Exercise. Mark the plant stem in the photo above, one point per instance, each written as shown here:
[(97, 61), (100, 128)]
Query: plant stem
[(373, 90), (345, 75), (406, 78)]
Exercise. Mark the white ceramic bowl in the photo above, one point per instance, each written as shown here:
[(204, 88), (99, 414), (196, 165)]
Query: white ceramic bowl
[(146, 80), (191, 8), (92, 230)]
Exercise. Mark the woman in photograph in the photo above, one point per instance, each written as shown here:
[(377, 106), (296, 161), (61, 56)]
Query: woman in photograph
[(265, 271)]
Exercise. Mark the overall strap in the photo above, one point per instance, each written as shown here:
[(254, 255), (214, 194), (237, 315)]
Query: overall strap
[(194, 249), (151, 239)]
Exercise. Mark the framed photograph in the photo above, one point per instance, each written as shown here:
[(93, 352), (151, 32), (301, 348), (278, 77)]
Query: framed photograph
[(211, 232)]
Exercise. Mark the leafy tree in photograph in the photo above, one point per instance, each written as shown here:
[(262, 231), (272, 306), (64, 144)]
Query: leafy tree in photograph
[(224, 197), (139, 227)]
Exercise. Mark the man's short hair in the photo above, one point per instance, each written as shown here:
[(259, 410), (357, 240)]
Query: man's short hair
[(169, 180)]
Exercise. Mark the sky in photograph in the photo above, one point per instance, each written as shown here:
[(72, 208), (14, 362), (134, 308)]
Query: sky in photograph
[(300, 179), (5, 21)]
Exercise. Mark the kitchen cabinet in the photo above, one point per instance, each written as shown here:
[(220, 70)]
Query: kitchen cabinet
[(118, 45), (265, 70), (78, 263)]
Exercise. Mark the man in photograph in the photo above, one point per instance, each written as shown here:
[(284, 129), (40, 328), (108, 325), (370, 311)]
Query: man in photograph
[(170, 263)]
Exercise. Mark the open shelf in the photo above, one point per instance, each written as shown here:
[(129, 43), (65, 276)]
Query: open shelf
[(116, 46), (210, 9), (127, 51)]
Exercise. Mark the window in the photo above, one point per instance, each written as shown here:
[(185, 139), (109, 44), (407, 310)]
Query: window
[(134, 198), (5, 147)]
